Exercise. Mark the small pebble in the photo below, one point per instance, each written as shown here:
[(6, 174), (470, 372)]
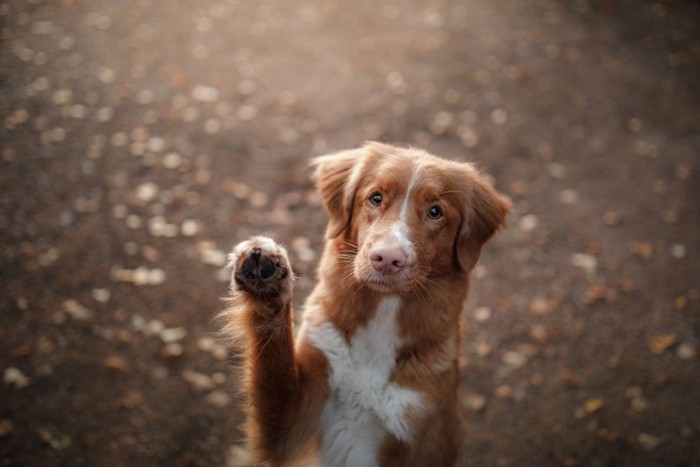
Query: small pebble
[(104, 114), (396, 82), (514, 359), (678, 251), (190, 227), (15, 377), (541, 306), (62, 96), (642, 249), (145, 97), (101, 295), (131, 399), (140, 276), (639, 403), (77, 311), (171, 351), (474, 402), (568, 196), (138, 324), (572, 379), (648, 442), (119, 139), (528, 223), (207, 344), (499, 116), (539, 332), (588, 263), (482, 314), (557, 171), (147, 191), (504, 392), (247, 113), (156, 144), (468, 136), (133, 221), (210, 255), (219, 377), (483, 349), (686, 351), (199, 381), (212, 126), (611, 218), (6, 427), (168, 335), (442, 122), (154, 327), (115, 363), (150, 253), (56, 440), (302, 248), (159, 227), (218, 399), (597, 292), (172, 161), (258, 199), (22, 303), (205, 93)]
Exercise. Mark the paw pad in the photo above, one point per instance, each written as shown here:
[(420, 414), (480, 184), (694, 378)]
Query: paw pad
[(261, 267)]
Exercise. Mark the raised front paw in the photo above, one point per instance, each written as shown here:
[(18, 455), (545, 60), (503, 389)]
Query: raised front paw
[(261, 268)]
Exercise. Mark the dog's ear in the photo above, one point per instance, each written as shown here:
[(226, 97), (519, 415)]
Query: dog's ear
[(336, 177), (484, 212)]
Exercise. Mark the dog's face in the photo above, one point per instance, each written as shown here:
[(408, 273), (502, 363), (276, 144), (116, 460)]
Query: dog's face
[(406, 217)]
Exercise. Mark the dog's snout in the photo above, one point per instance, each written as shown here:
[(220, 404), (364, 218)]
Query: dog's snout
[(388, 260)]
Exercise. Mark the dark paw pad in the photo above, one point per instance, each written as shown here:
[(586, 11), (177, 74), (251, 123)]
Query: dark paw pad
[(261, 267)]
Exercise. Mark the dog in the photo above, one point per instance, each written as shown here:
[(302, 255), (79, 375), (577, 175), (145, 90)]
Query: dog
[(371, 377)]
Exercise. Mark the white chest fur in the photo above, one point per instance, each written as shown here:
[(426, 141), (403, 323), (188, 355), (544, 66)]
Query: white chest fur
[(364, 405)]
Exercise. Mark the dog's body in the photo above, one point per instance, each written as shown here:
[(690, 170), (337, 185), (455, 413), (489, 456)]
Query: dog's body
[(371, 377)]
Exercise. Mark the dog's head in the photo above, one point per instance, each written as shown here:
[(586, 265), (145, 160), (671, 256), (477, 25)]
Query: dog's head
[(405, 216)]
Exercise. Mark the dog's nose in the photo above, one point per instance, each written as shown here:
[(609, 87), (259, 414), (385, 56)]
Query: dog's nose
[(388, 260)]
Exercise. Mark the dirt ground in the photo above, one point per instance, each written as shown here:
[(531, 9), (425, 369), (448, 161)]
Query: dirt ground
[(142, 139)]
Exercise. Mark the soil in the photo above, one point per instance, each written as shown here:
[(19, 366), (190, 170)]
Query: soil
[(141, 141)]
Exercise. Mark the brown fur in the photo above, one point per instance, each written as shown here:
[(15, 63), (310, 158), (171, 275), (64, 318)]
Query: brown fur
[(286, 379)]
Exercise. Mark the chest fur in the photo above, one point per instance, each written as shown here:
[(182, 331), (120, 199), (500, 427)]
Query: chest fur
[(365, 405)]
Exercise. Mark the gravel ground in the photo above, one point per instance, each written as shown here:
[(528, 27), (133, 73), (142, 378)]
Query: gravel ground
[(141, 141)]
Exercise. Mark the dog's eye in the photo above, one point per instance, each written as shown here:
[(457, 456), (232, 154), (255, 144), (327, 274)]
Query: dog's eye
[(376, 199), (435, 213)]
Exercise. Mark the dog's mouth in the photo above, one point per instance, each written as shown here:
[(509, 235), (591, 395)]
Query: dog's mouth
[(385, 283)]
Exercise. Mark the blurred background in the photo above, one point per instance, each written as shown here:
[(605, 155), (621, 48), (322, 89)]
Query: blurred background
[(141, 140)]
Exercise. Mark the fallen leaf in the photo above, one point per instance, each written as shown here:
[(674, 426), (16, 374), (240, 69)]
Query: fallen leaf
[(660, 342), (591, 406)]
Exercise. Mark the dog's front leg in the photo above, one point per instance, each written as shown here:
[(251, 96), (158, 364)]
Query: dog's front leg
[(275, 381)]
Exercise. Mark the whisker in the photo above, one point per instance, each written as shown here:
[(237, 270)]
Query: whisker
[(425, 291), (347, 280), (353, 245)]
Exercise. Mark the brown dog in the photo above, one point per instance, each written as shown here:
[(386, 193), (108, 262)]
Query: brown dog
[(371, 377)]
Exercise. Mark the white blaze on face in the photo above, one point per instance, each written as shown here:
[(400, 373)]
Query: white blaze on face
[(400, 231)]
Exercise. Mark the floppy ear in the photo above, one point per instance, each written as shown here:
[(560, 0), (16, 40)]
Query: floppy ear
[(336, 177), (484, 212)]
